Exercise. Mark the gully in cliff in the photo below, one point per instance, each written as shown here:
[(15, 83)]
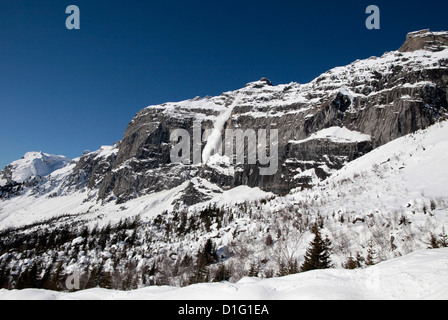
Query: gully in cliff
[(232, 147)]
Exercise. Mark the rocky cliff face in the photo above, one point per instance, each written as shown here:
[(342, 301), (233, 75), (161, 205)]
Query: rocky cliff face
[(372, 101), (384, 98)]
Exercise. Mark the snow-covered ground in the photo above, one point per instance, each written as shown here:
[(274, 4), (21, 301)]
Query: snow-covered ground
[(337, 134), (418, 276)]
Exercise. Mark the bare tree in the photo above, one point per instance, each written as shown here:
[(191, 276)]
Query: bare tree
[(286, 247)]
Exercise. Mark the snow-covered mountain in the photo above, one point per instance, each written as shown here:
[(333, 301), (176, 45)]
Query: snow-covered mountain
[(33, 164), (361, 154)]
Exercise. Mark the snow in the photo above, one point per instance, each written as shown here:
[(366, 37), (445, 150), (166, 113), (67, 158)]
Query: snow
[(401, 179), (36, 164), (422, 275), (240, 194), (416, 161), (106, 151), (214, 141), (336, 134), (26, 209), (201, 109), (221, 164)]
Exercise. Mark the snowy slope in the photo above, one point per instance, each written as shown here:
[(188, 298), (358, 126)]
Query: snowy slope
[(27, 209), (399, 175), (336, 134), (400, 178), (422, 275), (417, 162)]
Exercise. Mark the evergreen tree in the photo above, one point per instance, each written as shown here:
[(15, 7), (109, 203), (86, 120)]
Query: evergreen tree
[(2, 276), (57, 278), (22, 279), (433, 242), (32, 281), (254, 270), (350, 264), (443, 242), (294, 267), (269, 242), (371, 255), (207, 255), (318, 254), (222, 274), (282, 270), (359, 260)]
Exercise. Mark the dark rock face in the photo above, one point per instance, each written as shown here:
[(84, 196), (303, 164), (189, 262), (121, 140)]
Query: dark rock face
[(143, 163), (10, 190)]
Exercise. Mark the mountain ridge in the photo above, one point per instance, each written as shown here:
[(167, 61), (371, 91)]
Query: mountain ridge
[(381, 97), (362, 153)]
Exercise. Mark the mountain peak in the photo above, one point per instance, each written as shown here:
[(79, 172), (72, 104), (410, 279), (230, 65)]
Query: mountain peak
[(32, 164), (260, 83), (425, 40)]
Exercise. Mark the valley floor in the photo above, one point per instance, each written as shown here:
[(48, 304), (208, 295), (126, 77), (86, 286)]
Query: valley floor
[(422, 275)]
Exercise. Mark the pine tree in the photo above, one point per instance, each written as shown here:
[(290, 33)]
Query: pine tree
[(269, 242), (254, 270), (2, 276), (92, 282), (359, 260), (433, 242), (443, 242), (33, 281), (282, 270), (294, 267), (350, 264), (433, 205), (318, 254), (222, 274), (208, 254), (371, 255)]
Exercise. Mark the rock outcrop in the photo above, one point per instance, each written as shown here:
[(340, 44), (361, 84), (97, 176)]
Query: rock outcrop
[(425, 40)]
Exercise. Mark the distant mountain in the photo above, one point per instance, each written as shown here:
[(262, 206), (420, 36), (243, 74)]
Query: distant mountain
[(32, 164)]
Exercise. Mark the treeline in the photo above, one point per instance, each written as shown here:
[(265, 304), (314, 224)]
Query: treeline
[(181, 248), (124, 256), (44, 258)]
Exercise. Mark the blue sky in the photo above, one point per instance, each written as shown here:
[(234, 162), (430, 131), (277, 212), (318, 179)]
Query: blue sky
[(65, 91)]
